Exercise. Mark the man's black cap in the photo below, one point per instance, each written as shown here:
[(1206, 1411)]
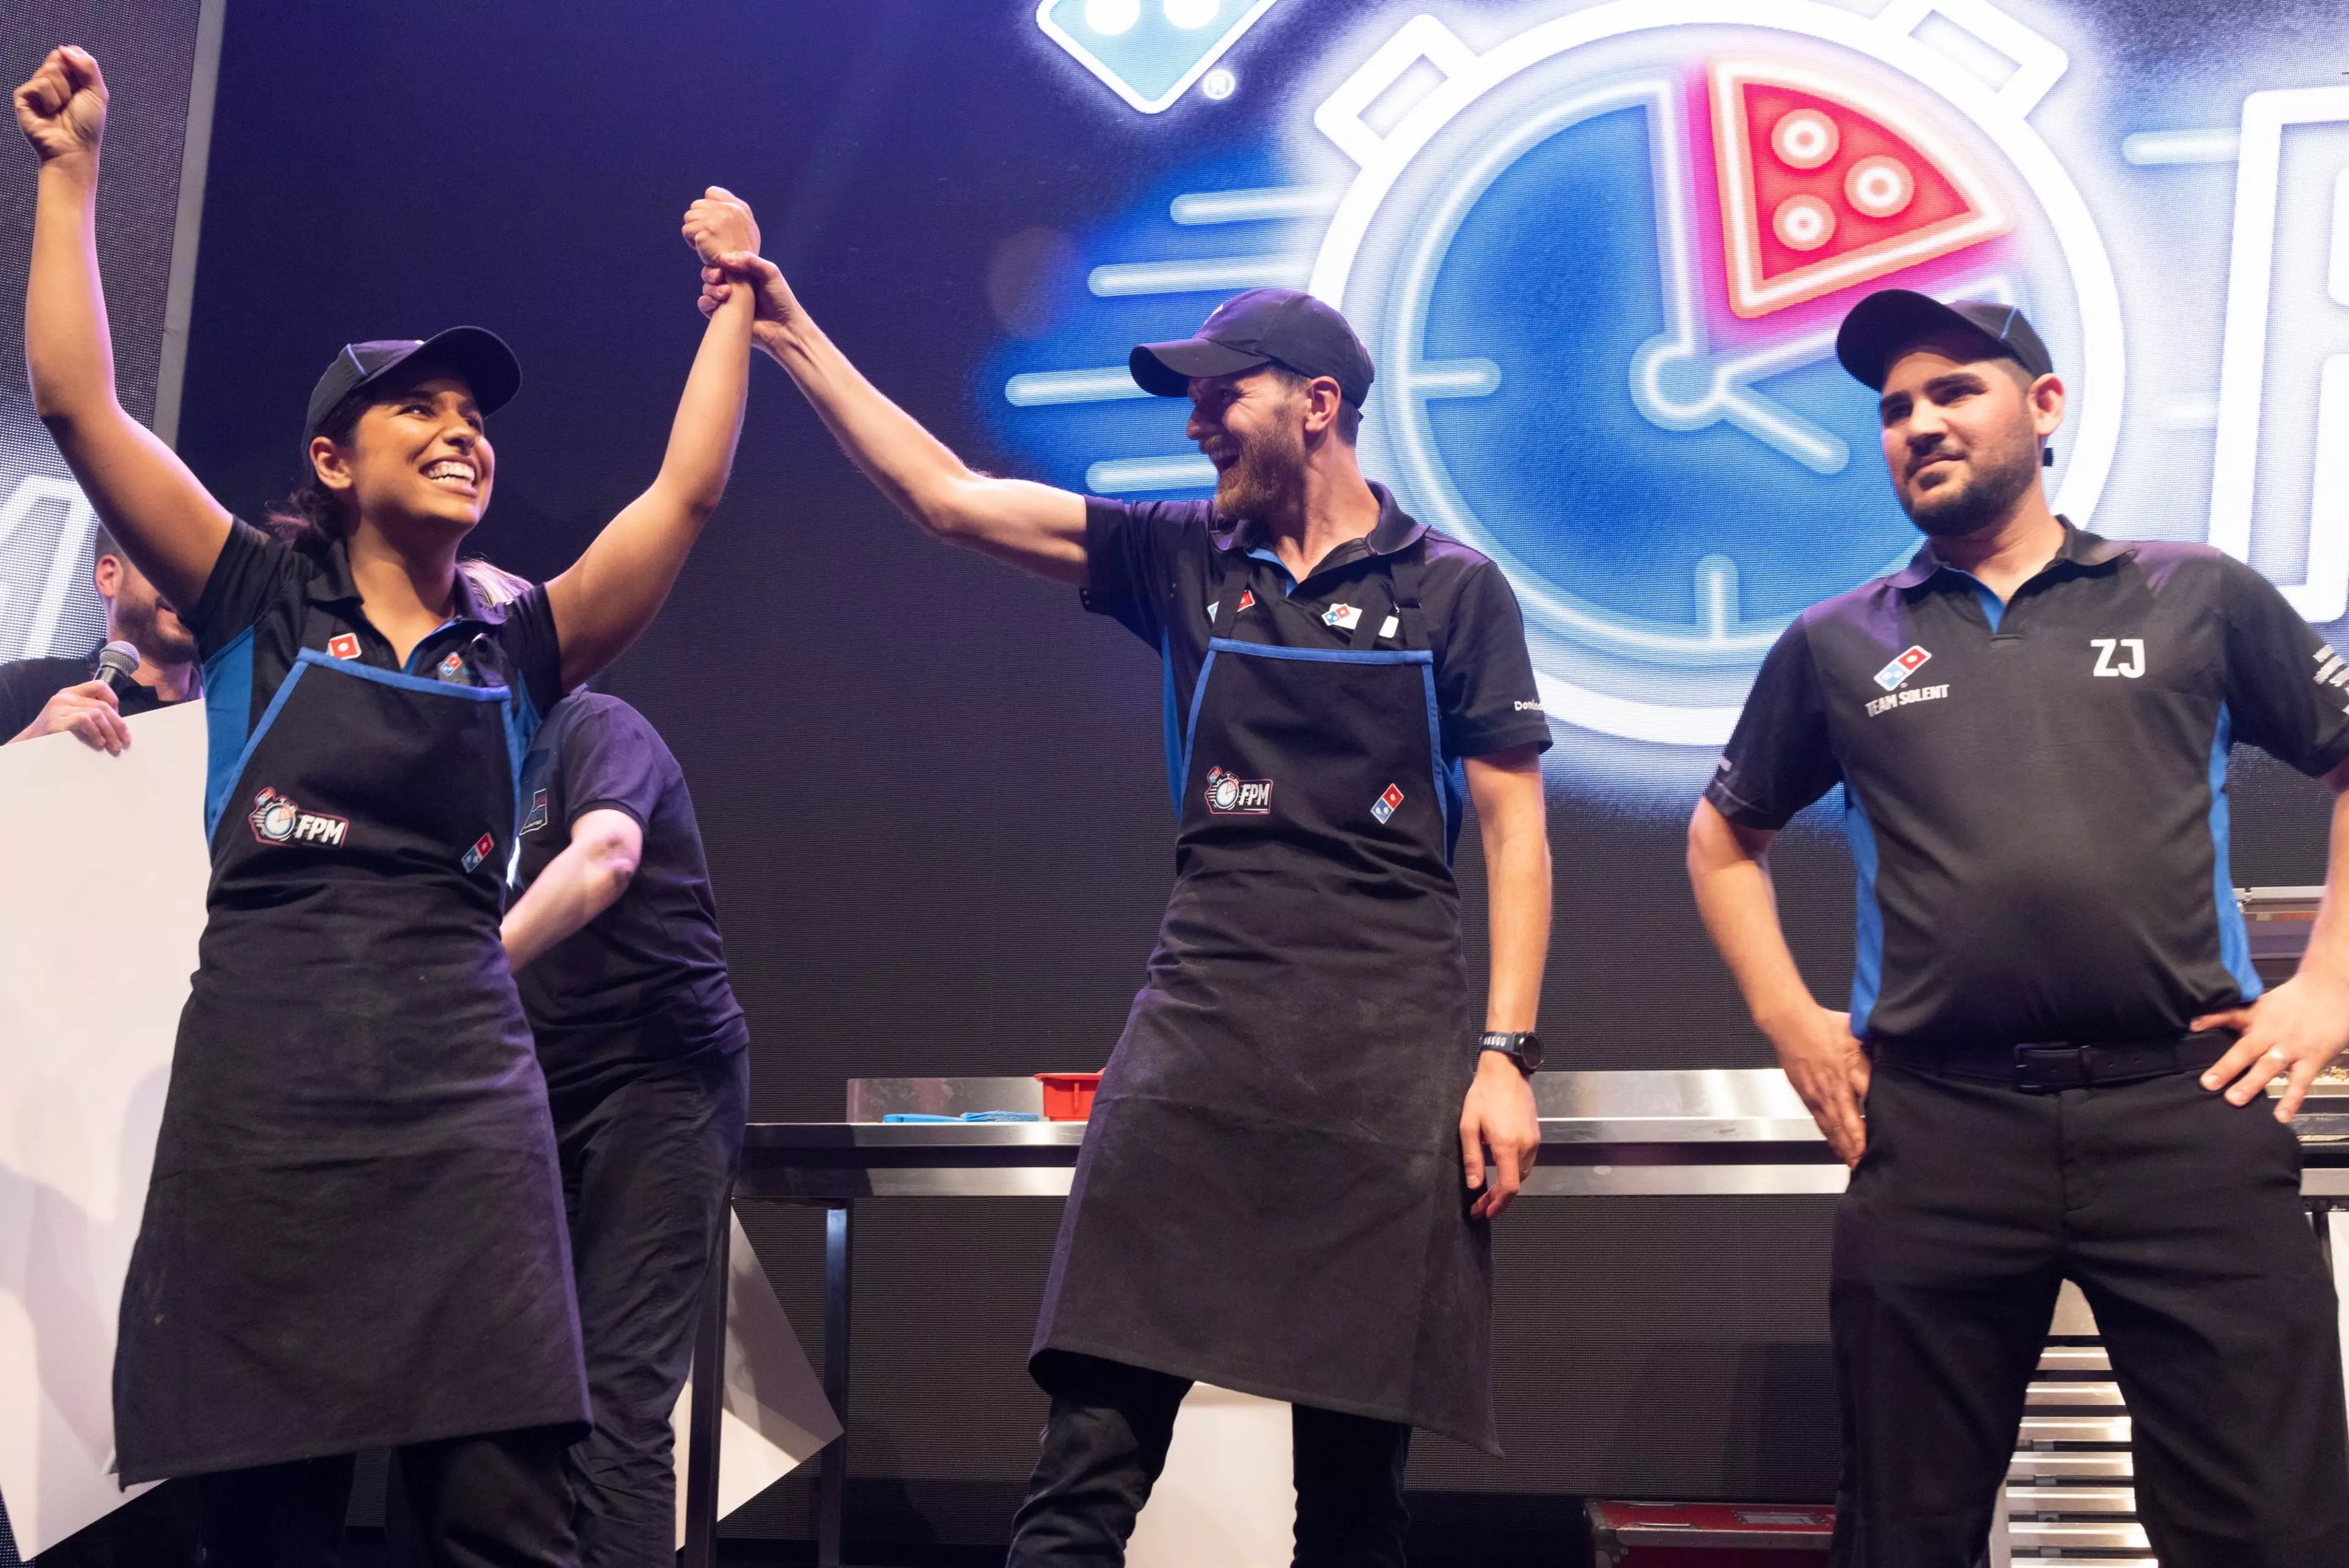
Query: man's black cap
[(1893, 318), (478, 354), (1261, 326)]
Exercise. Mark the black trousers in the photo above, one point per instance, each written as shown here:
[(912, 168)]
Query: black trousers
[(496, 1501), (647, 1164), (2180, 1218), (1105, 1444)]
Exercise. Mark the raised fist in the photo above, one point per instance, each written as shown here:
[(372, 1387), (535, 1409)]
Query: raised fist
[(724, 234), (63, 107), (721, 224)]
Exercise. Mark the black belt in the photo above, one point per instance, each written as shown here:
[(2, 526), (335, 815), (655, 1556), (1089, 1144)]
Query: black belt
[(2049, 1066)]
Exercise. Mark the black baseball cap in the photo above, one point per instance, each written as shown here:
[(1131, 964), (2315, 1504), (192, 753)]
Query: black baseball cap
[(1895, 317), (1261, 326), (475, 353)]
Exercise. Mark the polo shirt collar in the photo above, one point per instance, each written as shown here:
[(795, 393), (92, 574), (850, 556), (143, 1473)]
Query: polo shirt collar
[(1395, 530), (332, 584), (2079, 548)]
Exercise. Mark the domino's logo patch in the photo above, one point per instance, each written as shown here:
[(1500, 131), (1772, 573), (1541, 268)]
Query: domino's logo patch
[(451, 666), (537, 817), (479, 852), (343, 646), (1383, 808), (1345, 617), (1902, 668)]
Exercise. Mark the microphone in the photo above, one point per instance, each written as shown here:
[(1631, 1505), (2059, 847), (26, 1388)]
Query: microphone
[(117, 662)]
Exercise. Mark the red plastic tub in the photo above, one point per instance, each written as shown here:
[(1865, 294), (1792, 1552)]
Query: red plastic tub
[(1069, 1097)]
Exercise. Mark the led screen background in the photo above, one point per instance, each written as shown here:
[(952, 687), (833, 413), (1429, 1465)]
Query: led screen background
[(931, 789), (47, 601)]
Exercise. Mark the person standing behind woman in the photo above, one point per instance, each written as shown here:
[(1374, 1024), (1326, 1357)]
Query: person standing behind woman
[(614, 947), (354, 1231)]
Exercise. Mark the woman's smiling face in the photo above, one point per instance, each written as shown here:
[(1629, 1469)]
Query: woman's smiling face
[(421, 452)]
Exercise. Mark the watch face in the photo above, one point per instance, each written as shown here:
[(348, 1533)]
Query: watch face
[(1600, 273), (1523, 1049)]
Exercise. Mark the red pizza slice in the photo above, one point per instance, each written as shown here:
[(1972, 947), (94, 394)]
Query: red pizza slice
[(1825, 184)]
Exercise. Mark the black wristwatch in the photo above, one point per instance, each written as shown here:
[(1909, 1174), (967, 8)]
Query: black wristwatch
[(1523, 1048)]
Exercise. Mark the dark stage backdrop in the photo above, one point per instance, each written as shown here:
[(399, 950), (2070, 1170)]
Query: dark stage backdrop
[(932, 789)]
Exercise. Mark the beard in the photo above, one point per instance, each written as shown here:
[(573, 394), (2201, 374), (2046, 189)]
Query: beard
[(1997, 480), (140, 622), (1265, 476)]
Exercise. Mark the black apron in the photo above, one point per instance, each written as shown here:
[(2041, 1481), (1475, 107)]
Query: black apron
[(353, 1235), (1269, 1197)]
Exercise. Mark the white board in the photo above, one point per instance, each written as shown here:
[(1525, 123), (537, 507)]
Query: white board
[(89, 844), (1228, 1498), (774, 1416)]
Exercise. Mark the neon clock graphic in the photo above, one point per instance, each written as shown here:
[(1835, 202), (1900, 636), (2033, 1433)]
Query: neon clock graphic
[(1600, 266)]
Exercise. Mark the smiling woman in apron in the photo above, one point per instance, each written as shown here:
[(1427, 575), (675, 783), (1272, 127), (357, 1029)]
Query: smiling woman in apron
[(353, 1234), (1285, 1186)]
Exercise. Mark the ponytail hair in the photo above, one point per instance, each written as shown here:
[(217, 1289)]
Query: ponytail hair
[(310, 516), (495, 584)]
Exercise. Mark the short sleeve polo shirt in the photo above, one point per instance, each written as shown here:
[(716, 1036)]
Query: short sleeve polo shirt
[(2035, 793), (642, 987), (1153, 566)]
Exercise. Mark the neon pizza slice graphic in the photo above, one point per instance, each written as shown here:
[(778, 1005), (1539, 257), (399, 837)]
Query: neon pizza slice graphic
[(1825, 184)]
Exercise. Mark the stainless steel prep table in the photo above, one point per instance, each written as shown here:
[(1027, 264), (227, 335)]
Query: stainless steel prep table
[(1722, 1132)]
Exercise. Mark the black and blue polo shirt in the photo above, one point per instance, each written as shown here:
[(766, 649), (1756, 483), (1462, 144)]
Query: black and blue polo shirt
[(1152, 566), (2035, 791)]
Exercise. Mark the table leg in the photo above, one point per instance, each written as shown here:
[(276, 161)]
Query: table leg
[(704, 1421), (832, 1483)]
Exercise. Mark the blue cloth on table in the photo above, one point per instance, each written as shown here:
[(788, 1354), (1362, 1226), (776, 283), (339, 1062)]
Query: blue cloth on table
[(966, 1116)]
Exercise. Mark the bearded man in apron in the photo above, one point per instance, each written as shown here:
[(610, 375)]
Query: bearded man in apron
[(1286, 1184)]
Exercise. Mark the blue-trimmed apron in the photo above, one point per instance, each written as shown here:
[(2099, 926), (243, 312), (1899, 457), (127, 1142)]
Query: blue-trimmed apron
[(353, 1235), (1269, 1197)]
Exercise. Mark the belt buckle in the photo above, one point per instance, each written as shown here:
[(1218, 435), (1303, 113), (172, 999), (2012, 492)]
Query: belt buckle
[(2050, 1066)]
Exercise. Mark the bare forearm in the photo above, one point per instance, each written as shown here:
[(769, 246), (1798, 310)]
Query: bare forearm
[(1517, 879), (171, 528), (68, 352), (708, 423), (918, 472), (573, 891), (1740, 909)]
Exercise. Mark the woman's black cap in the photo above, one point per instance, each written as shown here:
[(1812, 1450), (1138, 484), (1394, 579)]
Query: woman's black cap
[(1893, 318), (478, 354), (1261, 326)]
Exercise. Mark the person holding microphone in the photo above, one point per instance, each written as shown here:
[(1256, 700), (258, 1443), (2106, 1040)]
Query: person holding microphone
[(354, 1234), (75, 695)]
